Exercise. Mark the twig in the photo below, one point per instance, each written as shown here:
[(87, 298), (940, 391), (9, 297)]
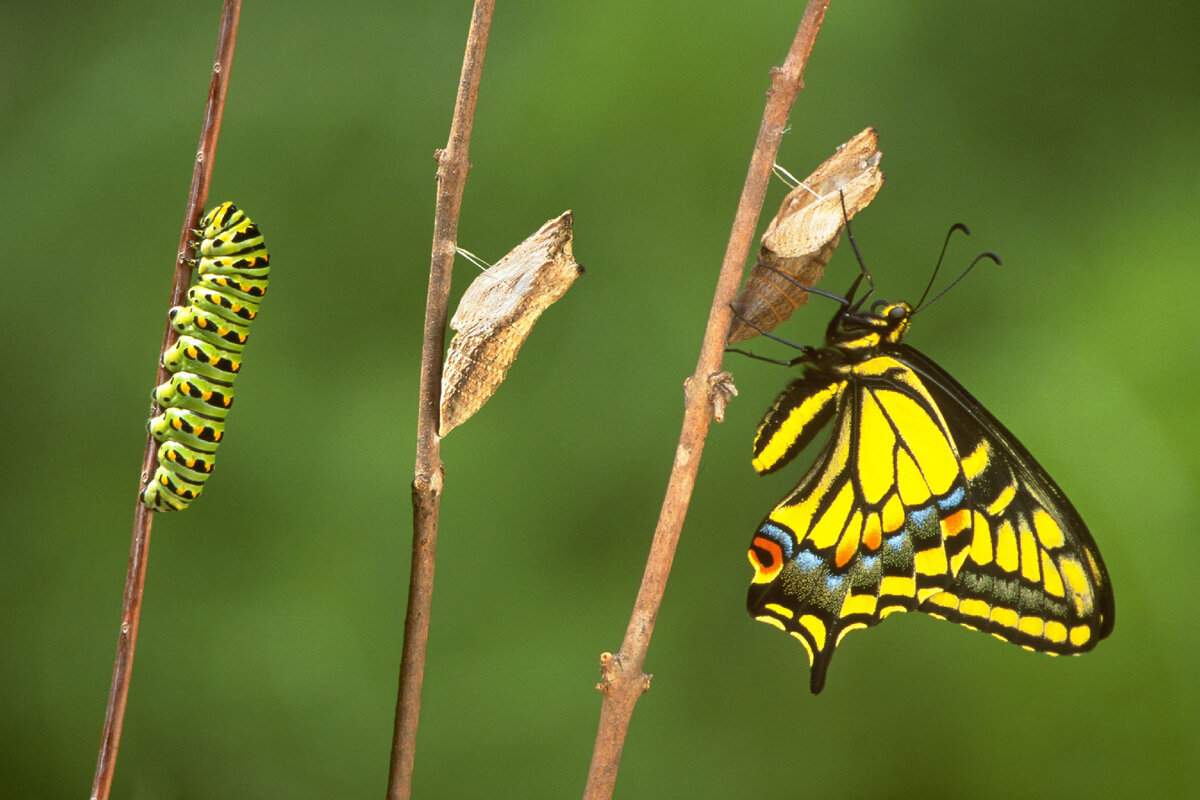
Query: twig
[(135, 578), (453, 165), (623, 678)]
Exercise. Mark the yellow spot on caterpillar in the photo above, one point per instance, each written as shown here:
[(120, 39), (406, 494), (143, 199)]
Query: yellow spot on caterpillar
[(1006, 547), (816, 627)]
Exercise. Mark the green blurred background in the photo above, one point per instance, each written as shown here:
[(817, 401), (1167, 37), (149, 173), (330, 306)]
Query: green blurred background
[(1064, 134)]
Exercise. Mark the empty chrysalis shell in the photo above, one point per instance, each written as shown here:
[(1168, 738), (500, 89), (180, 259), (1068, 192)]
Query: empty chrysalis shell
[(801, 238), (496, 314)]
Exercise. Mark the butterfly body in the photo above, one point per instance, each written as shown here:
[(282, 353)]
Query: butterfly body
[(920, 500)]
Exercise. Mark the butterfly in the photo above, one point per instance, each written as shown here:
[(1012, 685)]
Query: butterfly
[(919, 500)]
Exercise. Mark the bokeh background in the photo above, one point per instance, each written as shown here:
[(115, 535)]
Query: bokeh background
[(1063, 134)]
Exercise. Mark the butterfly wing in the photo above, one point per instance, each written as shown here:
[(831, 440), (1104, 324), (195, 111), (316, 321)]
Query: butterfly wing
[(920, 500), (1032, 573)]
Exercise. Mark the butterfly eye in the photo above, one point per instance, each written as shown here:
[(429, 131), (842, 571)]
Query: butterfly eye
[(897, 313)]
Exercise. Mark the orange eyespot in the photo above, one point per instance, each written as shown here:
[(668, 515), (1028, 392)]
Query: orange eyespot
[(766, 557)]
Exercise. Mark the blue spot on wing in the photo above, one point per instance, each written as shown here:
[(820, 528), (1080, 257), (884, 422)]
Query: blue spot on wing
[(921, 516), (895, 542), (834, 581), (779, 536), (868, 562), (953, 500), (808, 561)]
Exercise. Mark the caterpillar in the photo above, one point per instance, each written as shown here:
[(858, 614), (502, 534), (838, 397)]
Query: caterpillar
[(232, 265)]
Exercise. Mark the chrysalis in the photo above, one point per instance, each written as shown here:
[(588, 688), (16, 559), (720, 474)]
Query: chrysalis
[(801, 238), (496, 314)]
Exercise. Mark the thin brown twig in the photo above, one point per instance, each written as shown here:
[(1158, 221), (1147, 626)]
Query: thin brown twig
[(453, 165), (139, 552), (624, 680)]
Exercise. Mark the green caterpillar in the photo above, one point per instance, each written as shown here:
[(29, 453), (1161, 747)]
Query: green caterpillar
[(232, 268)]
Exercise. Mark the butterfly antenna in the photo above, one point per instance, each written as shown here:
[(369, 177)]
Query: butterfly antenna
[(862, 265), (988, 255), (803, 348), (810, 289), (958, 226)]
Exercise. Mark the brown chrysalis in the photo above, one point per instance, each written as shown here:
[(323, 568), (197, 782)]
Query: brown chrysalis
[(496, 314), (801, 238)]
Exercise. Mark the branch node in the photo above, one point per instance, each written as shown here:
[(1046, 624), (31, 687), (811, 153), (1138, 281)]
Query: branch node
[(720, 392), (609, 667), (429, 484)]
